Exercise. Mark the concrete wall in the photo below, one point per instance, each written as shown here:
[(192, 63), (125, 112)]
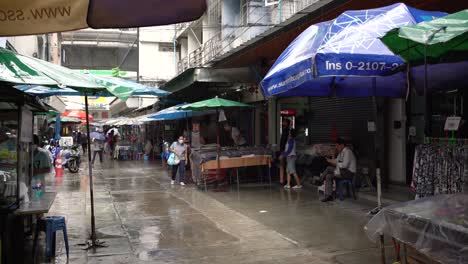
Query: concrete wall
[(257, 15), (156, 61), (157, 54), (193, 39), (183, 43), (98, 58), (26, 45), (157, 34), (230, 19), (209, 29)]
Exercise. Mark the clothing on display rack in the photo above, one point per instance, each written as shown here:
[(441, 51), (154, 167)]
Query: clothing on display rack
[(439, 169)]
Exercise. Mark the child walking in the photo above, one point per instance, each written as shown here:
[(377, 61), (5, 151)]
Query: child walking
[(290, 155)]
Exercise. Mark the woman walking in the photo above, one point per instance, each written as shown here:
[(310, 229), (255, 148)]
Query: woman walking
[(290, 155), (179, 148)]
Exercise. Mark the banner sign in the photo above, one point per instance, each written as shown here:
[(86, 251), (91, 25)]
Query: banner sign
[(26, 17)]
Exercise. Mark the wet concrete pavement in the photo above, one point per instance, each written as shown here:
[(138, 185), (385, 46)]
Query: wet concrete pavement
[(143, 219)]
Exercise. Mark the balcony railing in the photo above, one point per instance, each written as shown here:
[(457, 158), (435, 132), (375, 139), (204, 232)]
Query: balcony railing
[(258, 20), (194, 59)]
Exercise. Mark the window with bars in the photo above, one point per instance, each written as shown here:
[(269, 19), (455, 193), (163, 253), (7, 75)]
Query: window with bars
[(166, 47)]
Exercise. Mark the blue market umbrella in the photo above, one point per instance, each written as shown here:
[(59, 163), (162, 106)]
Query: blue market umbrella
[(136, 88), (332, 57)]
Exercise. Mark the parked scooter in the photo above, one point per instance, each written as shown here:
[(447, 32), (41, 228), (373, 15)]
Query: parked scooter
[(72, 158)]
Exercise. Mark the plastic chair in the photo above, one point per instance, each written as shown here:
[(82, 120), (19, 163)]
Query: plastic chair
[(341, 184), (50, 225)]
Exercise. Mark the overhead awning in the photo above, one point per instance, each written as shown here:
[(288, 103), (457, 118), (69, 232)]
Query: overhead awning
[(11, 96), (210, 75)]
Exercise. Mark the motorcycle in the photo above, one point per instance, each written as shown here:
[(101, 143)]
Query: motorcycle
[(72, 158)]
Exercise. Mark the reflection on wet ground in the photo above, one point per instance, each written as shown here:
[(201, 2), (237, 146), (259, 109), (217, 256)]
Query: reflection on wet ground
[(143, 219)]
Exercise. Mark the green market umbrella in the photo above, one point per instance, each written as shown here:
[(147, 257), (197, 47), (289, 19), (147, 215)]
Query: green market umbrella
[(214, 103), (438, 40), (443, 37), (20, 69)]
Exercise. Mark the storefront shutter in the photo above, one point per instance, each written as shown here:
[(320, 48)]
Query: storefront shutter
[(348, 115)]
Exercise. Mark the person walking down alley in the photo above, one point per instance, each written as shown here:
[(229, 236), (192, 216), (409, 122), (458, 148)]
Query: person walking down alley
[(179, 148), (290, 155), (97, 147), (343, 167), (286, 126), (83, 140)]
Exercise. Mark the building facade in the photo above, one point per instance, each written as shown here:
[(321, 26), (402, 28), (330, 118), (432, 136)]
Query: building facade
[(251, 34)]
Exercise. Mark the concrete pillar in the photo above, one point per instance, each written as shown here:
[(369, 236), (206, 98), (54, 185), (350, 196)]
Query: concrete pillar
[(396, 137), (55, 48), (272, 121)]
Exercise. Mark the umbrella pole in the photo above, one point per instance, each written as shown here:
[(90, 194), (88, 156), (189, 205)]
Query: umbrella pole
[(427, 97), (376, 151), (218, 147), (94, 243)]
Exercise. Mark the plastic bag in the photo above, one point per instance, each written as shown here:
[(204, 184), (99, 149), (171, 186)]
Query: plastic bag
[(173, 159)]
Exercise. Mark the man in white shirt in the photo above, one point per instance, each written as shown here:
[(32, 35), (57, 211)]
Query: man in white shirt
[(343, 167), (238, 139)]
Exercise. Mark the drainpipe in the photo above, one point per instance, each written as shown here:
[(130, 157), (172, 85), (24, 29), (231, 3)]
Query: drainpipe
[(138, 56), (174, 43), (45, 47)]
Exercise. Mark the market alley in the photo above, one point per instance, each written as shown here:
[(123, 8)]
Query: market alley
[(143, 219)]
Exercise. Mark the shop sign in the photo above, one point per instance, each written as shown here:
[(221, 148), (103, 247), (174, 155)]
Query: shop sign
[(452, 123), (96, 102), (288, 112)]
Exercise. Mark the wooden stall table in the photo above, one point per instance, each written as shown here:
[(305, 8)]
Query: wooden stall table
[(236, 163)]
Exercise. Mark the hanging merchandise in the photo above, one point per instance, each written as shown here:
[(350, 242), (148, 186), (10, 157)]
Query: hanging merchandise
[(440, 168), (222, 116)]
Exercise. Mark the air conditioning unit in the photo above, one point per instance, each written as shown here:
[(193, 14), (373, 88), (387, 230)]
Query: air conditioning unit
[(271, 2)]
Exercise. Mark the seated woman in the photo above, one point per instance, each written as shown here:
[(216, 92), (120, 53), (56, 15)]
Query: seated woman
[(343, 167)]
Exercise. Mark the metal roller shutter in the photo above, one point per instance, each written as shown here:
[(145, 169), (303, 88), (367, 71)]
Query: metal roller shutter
[(350, 116)]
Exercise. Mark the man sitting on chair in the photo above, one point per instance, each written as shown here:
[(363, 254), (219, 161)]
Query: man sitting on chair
[(343, 167)]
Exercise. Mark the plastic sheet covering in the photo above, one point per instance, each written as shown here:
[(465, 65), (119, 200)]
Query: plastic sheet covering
[(436, 226)]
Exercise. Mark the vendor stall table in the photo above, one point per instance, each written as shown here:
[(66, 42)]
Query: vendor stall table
[(40, 206), (432, 230), (237, 162), (122, 152), (13, 227)]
